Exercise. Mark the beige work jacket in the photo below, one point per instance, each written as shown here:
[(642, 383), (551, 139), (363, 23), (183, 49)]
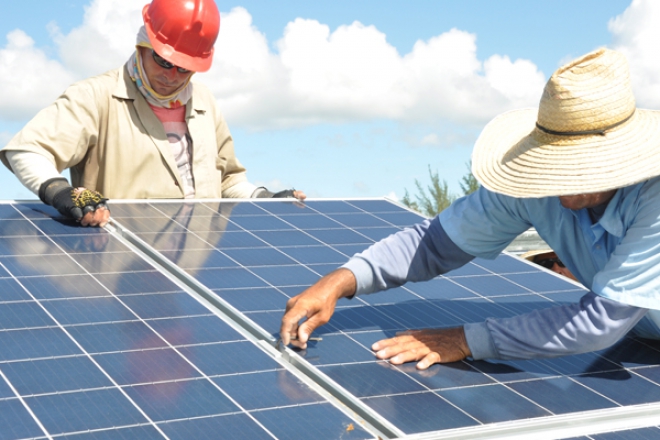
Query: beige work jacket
[(103, 130)]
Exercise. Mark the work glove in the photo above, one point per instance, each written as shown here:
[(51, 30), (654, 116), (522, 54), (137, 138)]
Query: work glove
[(263, 193), (69, 201)]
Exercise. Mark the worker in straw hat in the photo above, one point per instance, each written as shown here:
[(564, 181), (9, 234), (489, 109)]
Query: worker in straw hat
[(582, 169), (145, 130)]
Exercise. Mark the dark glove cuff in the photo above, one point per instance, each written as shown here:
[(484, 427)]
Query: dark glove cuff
[(263, 193), (50, 188), (284, 194), (70, 202)]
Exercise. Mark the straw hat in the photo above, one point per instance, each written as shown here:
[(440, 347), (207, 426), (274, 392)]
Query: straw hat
[(529, 255), (585, 137)]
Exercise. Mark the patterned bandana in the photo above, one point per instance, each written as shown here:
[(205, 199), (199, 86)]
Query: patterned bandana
[(135, 69)]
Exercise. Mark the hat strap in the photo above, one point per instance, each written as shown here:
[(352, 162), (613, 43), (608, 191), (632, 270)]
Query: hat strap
[(600, 131)]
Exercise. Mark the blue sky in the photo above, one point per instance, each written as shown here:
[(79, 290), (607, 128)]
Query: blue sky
[(341, 98)]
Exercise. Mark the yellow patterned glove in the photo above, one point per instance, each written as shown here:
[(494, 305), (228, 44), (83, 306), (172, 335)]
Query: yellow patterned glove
[(70, 202)]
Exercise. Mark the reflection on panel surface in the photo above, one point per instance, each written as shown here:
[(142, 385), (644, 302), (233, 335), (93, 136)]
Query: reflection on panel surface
[(95, 339)]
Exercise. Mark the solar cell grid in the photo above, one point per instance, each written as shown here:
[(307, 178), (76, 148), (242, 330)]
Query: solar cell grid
[(90, 304), (481, 289), (94, 338)]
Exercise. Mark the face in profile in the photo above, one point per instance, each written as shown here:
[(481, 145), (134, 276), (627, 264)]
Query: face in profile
[(551, 261)]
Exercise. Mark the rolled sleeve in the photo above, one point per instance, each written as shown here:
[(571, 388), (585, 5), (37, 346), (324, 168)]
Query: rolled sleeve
[(591, 324), (480, 341), (364, 275), (415, 254)]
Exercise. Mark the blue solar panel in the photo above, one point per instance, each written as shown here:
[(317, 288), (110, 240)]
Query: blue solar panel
[(85, 410), (97, 342), (420, 412), (551, 394), (85, 319), (505, 404), (16, 421)]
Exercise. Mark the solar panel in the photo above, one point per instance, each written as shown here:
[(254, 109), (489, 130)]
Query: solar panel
[(97, 342), (171, 317)]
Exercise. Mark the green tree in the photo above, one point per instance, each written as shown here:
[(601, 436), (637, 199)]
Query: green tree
[(469, 183), (438, 197), (406, 200)]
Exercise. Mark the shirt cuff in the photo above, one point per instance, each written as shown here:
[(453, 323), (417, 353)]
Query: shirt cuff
[(242, 190), (480, 341), (364, 275)]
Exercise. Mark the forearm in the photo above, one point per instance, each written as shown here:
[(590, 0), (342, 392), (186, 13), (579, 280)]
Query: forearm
[(416, 254), (32, 169), (242, 190), (591, 324)]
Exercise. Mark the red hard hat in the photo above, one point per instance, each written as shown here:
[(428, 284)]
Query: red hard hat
[(183, 31)]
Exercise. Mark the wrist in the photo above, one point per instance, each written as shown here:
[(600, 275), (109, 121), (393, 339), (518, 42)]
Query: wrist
[(49, 189), (465, 347), (341, 283)]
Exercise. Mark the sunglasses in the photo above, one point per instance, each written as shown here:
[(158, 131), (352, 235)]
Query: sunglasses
[(549, 262), (162, 62)]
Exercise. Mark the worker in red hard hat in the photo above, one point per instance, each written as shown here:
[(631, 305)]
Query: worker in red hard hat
[(145, 130), (183, 34)]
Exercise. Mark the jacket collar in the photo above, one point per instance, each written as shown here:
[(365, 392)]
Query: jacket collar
[(125, 87)]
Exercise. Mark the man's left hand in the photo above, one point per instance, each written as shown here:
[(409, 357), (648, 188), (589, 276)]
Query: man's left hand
[(428, 346)]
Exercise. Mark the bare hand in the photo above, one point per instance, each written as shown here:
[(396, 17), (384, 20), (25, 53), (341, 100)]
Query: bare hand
[(428, 346), (99, 217), (299, 195), (317, 304)]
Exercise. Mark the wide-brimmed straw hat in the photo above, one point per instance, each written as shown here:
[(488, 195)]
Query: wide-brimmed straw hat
[(585, 137), (529, 255)]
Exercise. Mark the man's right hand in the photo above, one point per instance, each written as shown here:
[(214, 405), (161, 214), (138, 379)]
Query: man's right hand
[(316, 304), (81, 204), (99, 217)]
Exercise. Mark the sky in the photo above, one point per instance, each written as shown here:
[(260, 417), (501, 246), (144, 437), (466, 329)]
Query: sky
[(341, 99)]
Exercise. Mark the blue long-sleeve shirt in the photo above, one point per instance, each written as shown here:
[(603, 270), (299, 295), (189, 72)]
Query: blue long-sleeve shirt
[(616, 257)]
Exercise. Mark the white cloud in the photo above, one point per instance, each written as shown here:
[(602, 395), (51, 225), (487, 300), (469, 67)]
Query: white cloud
[(314, 75), (517, 81), (104, 41), (245, 77), (636, 33), (430, 139), (392, 196), (318, 75), (29, 79), (106, 38), (353, 74)]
